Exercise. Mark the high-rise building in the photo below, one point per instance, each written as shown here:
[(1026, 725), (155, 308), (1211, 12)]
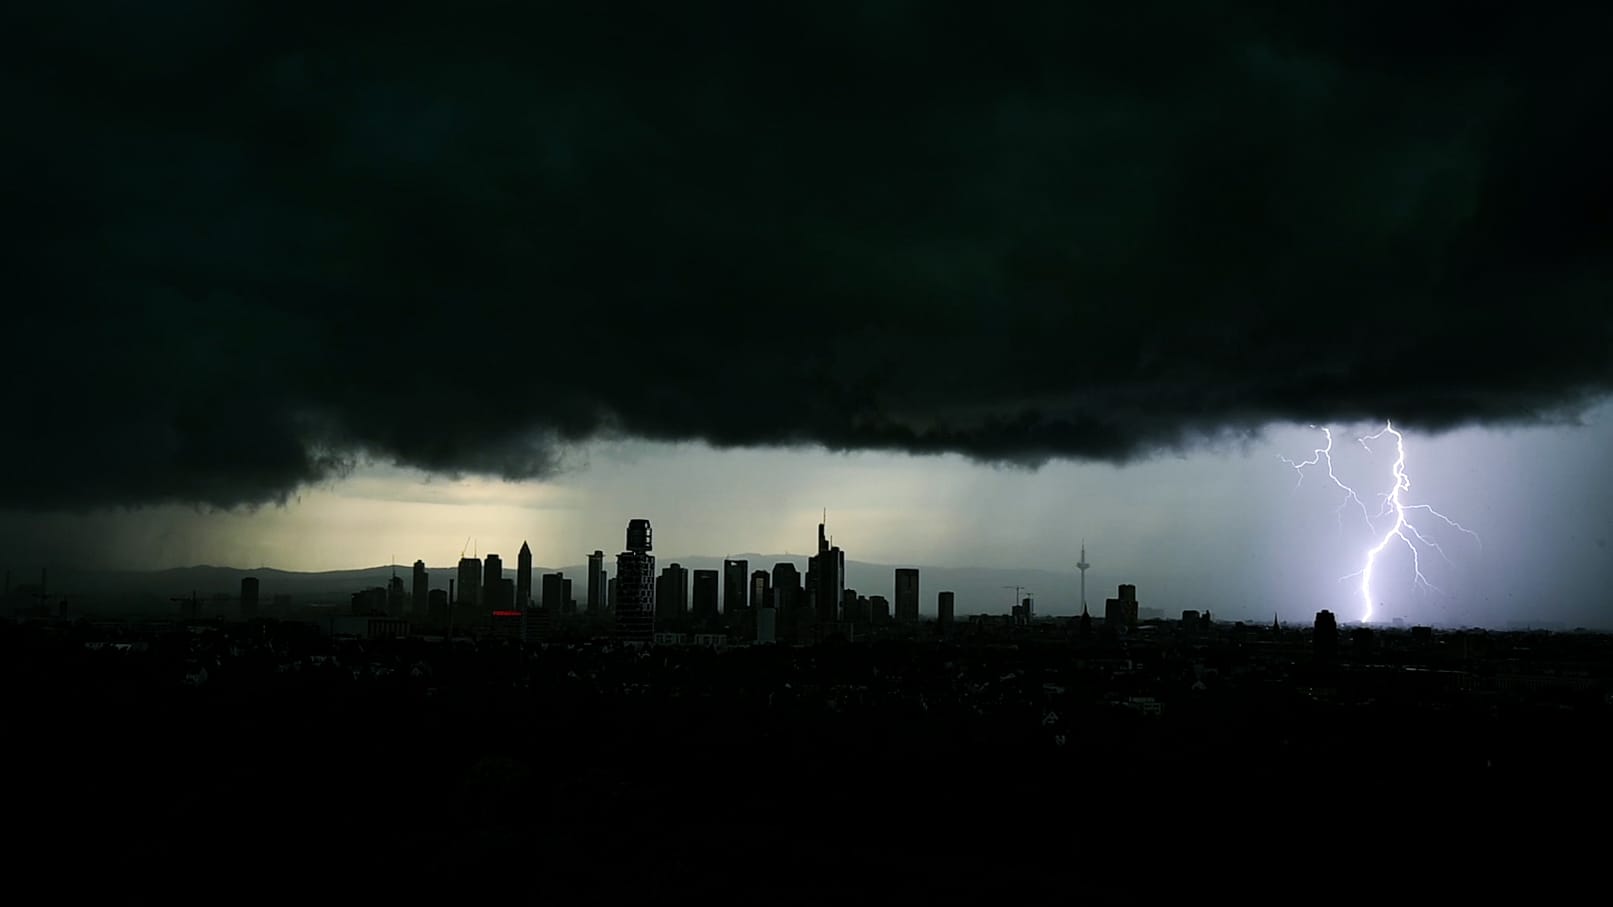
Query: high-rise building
[(704, 598), (1121, 612), (761, 589), (492, 577), (249, 597), (786, 587), (610, 594), (437, 607), (596, 582), (554, 592), (523, 578), (850, 612), (565, 597), (1325, 636), (469, 591), (396, 598), (944, 613), (907, 594), (826, 572), (420, 595), (672, 592), (735, 574), (766, 622), (879, 609), (635, 586), (506, 594)]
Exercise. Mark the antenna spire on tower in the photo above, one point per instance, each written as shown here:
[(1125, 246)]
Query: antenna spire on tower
[(1082, 566)]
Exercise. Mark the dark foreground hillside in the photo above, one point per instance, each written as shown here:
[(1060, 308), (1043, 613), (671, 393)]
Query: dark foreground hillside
[(924, 771)]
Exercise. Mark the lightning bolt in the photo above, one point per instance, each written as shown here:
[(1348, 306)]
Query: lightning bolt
[(1393, 505), (1321, 455)]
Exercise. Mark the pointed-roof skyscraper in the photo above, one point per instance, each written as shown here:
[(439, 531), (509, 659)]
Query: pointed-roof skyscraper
[(523, 578)]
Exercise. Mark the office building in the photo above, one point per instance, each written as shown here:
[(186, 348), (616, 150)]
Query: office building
[(468, 592), (879, 609), (907, 595), (1325, 636), (523, 578), (786, 587), (672, 592), (596, 582), (566, 599), (249, 597), (396, 598), (635, 586), (492, 582), (554, 593), (704, 597), (761, 589), (766, 622), (420, 594), (735, 575), (826, 574), (1120, 613), (944, 612)]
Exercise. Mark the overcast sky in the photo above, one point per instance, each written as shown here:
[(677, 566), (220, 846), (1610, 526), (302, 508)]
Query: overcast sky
[(421, 272), (1234, 529)]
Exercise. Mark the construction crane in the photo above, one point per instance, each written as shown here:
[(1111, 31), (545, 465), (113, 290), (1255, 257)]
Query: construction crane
[(1020, 594)]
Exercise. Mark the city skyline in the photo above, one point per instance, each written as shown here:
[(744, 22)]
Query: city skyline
[(989, 283), (488, 424), (1228, 530)]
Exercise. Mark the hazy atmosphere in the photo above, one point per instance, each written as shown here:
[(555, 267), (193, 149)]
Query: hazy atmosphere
[(1232, 529), (374, 285)]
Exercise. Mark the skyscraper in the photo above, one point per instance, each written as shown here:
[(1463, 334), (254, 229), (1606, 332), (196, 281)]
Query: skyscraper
[(1121, 612), (827, 570), (907, 594), (523, 578), (672, 594), (396, 598), (554, 592), (420, 594), (596, 582), (1325, 636), (635, 586), (786, 587), (944, 614), (704, 598), (735, 574), (492, 576), (761, 589), (249, 597), (468, 593)]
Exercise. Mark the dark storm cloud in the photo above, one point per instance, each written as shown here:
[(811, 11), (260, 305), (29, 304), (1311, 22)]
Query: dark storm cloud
[(250, 242)]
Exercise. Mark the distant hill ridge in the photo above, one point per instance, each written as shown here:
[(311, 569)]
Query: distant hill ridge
[(977, 589)]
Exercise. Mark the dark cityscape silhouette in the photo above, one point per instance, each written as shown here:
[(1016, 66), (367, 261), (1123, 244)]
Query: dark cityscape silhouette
[(427, 254)]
